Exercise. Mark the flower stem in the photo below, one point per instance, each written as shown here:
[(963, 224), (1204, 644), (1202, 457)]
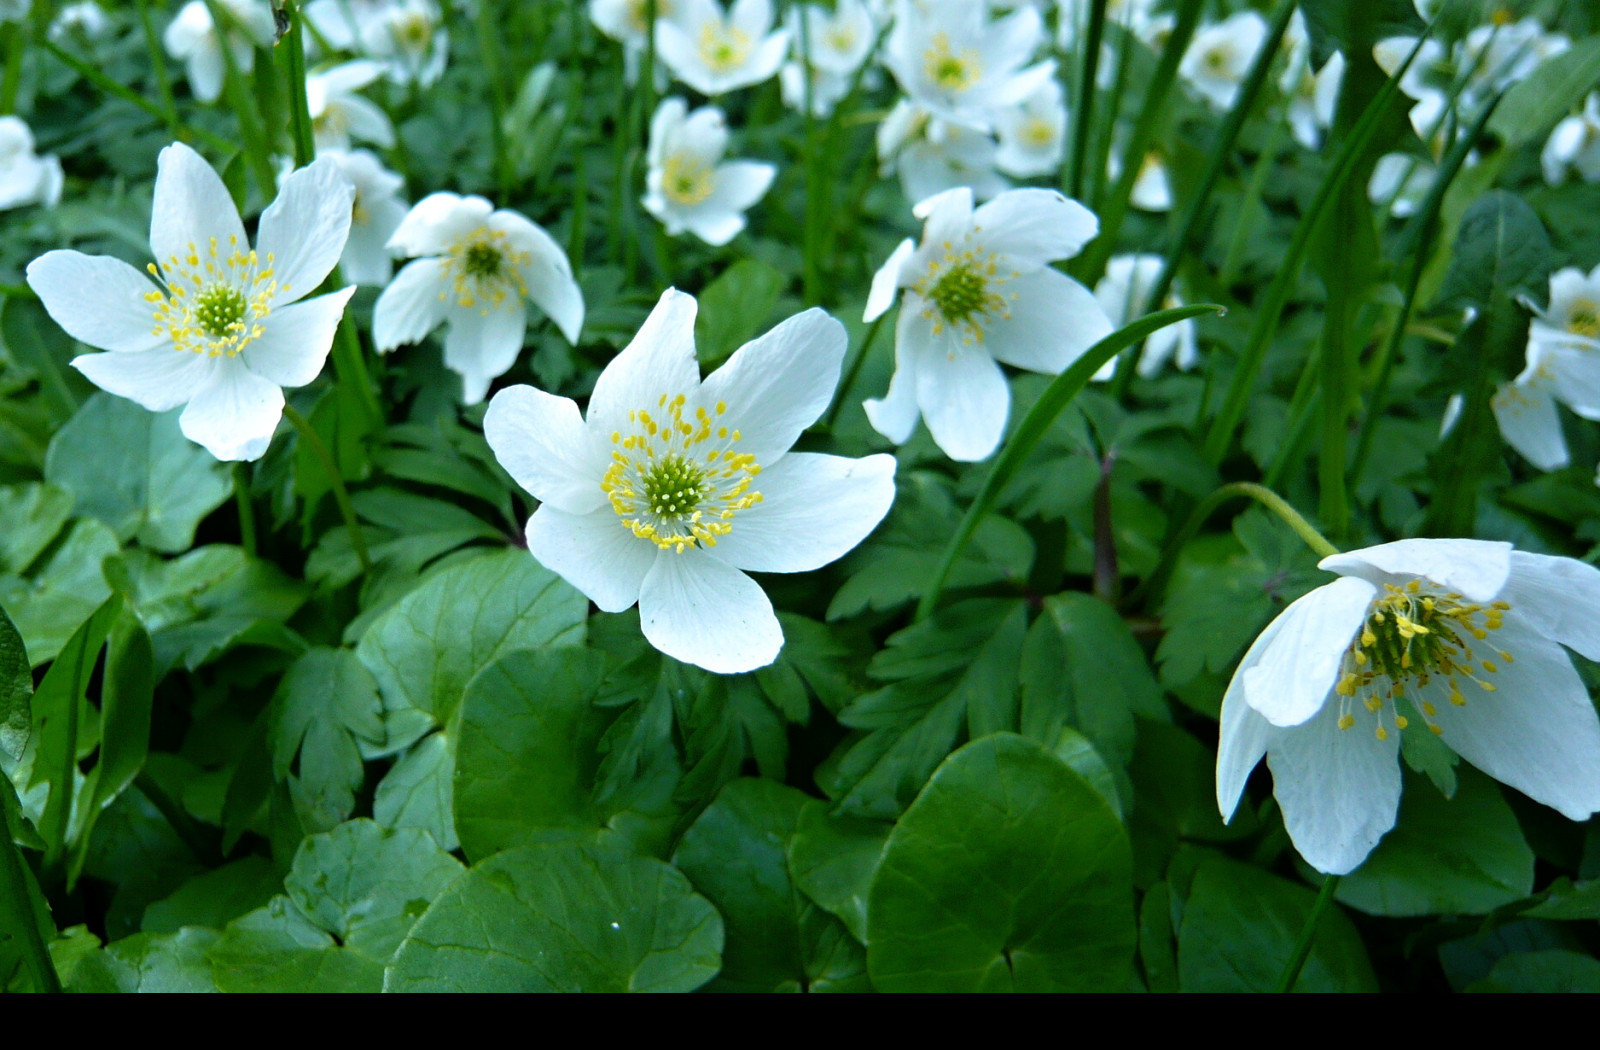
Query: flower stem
[(158, 66), (341, 495), (12, 35), (257, 150), (489, 54), (1308, 933), (247, 517), (1083, 112), (853, 371), (305, 145), (93, 75), (18, 902)]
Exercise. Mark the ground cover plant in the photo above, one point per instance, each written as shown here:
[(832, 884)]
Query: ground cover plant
[(897, 495)]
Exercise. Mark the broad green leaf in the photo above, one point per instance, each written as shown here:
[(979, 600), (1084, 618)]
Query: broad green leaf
[(62, 591), (736, 854), (1240, 925), (1566, 900), (16, 690), (150, 962), (30, 517), (1547, 971), (325, 713), (1008, 873), (562, 917), (135, 471), (276, 948), (1459, 856), (216, 897), (418, 791), (1174, 788), (526, 752), (833, 860), (734, 307), (1559, 84), (1501, 249)]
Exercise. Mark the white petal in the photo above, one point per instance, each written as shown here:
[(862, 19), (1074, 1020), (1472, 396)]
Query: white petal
[(659, 360), (367, 122), (1293, 679), (1559, 598), (207, 72), (1054, 319), (886, 282), (548, 274), (896, 415), (1476, 568), (304, 230), (541, 441), (1576, 377), (814, 509), (1339, 790), (97, 299), (437, 221), (716, 228), (1537, 732), (235, 415), (412, 306), (158, 380), (1032, 227), (707, 613), (483, 344), (739, 184), (191, 206), (963, 395), (296, 340), (1530, 424), (594, 552), (1245, 735), (780, 383)]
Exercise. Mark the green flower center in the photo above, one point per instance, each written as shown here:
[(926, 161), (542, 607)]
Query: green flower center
[(1584, 318), (961, 290), (723, 48), (484, 269), (1411, 636), (673, 487), (219, 310), (685, 180), (948, 69), (482, 260)]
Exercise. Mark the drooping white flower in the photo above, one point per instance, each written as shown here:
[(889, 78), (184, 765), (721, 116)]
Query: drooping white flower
[(669, 489), (714, 51), (375, 215), (958, 64), (1562, 366), (1124, 293), (410, 39), (1463, 638), (472, 267), (221, 329), (25, 177), (1221, 55), (688, 185), (84, 20), (980, 290), (1313, 94), (932, 155), (1033, 133), (194, 39), (1574, 146), (339, 115), (1525, 410)]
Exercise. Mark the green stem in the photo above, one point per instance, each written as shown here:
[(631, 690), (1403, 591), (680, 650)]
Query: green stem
[(854, 370), (257, 151), (294, 50), (14, 39), (18, 902), (341, 495), (1308, 933), (93, 75), (1253, 192), (247, 516), (1082, 109), (489, 53), (815, 173), (1025, 438), (158, 66)]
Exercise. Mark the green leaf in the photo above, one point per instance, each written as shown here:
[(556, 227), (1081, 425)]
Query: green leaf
[(325, 713), (1566, 900), (150, 962), (135, 471), (526, 753), (216, 897), (350, 898), (1501, 249), (1547, 971), (24, 932), (833, 860), (1240, 925), (1173, 788), (1459, 856), (62, 592), (30, 517), (418, 791), (562, 917), (736, 854), (1009, 872), (16, 690), (734, 307), (1532, 107)]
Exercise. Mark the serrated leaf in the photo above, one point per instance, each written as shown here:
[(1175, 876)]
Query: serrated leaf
[(1532, 106), (16, 690)]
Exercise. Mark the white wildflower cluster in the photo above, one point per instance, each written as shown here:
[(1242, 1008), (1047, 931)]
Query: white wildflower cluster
[(25, 177)]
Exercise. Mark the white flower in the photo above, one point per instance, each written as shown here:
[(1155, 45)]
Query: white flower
[(688, 185), (1563, 365), (85, 19), (26, 178), (345, 25), (827, 89), (1220, 56), (220, 329), (626, 21), (1313, 97), (957, 64), (193, 38), (715, 51), (374, 216), (1400, 181), (409, 37), (1152, 188), (671, 488), (1033, 133), (472, 267), (338, 114), (980, 290), (1575, 146), (1464, 636), (932, 155), (840, 39), (15, 10), (1525, 410), (1123, 293)]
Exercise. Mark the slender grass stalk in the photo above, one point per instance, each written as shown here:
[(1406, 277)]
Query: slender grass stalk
[(816, 173), (1083, 100), (489, 54), (852, 371), (247, 516), (1099, 162), (12, 39), (93, 75), (1023, 440), (1308, 933), (1195, 209), (18, 902), (1220, 436), (158, 66), (1254, 190), (257, 148), (341, 495)]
